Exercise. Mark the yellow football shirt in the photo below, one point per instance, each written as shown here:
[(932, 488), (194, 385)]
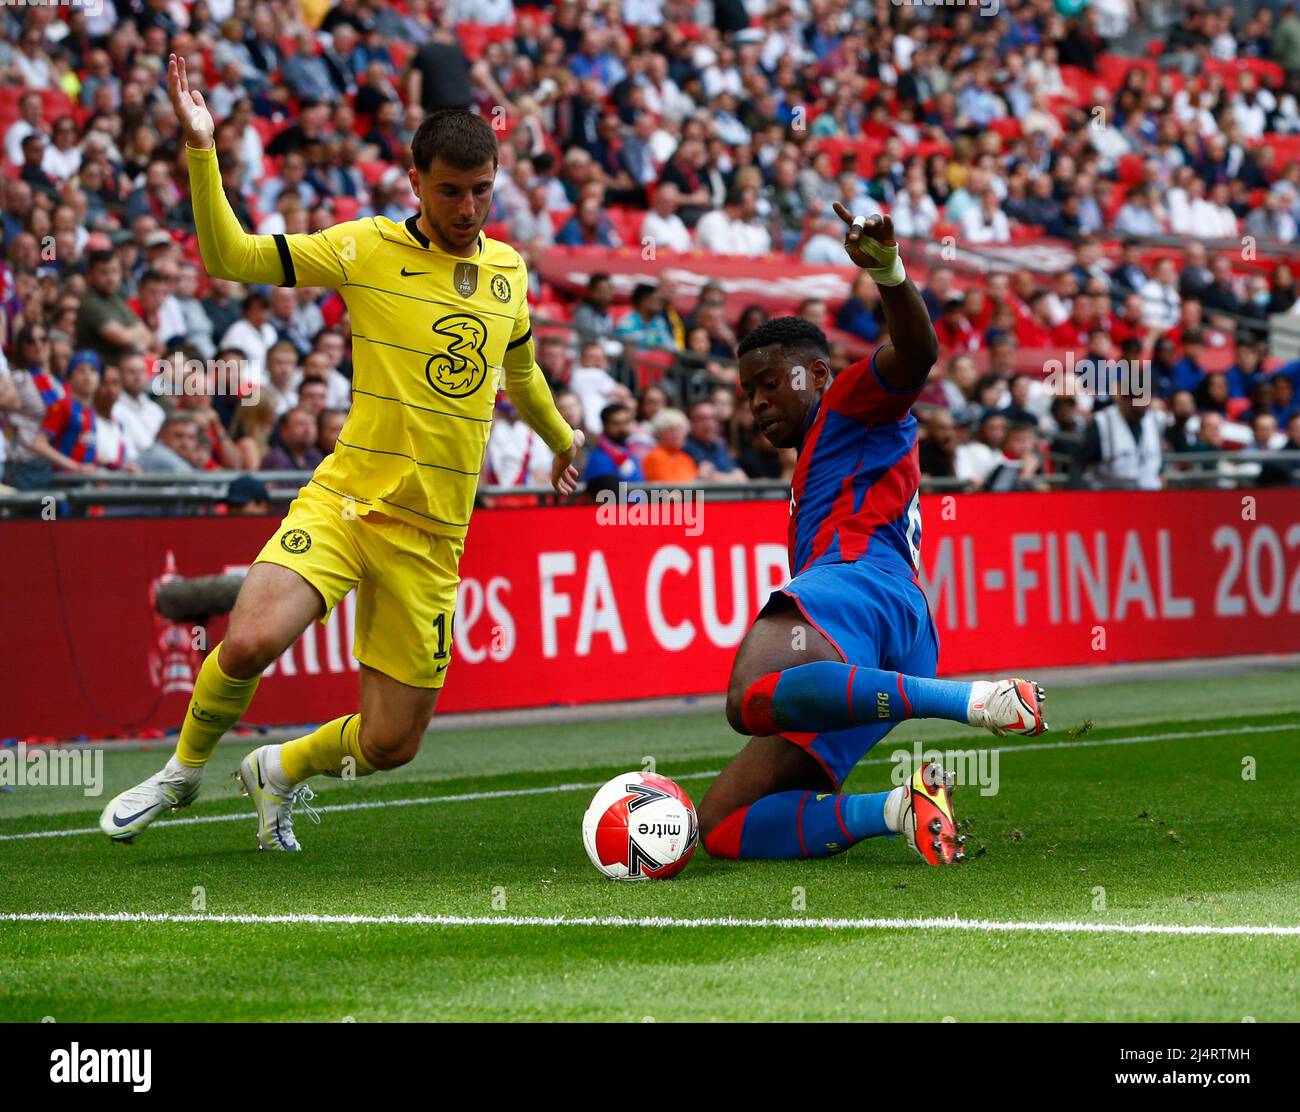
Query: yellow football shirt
[(434, 336)]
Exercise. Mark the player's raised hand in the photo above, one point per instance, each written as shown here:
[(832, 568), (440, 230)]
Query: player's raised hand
[(863, 236), (564, 476), (195, 119)]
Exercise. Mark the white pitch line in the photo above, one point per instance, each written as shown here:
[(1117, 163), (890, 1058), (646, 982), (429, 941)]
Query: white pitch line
[(551, 789), (656, 921)]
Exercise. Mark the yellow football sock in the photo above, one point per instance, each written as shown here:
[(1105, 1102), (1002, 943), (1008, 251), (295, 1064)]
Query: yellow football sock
[(219, 702), (334, 749)]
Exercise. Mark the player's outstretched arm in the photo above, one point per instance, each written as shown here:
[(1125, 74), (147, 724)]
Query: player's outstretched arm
[(227, 250), (870, 243), (528, 389)]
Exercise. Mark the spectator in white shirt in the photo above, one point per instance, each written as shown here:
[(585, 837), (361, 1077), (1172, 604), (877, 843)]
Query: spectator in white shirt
[(282, 376), (855, 198), (323, 363), (976, 459), (516, 456), (1161, 304), (138, 414), (825, 247), (662, 227), (734, 229), (62, 158), (32, 59), (1187, 189), (31, 121), (914, 211), (594, 385), (534, 224), (986, 222), (1213, 218), (253, 334)]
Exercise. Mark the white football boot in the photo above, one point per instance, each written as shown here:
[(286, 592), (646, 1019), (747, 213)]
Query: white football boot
[(1007, 707), (172, 787), (262, 781)]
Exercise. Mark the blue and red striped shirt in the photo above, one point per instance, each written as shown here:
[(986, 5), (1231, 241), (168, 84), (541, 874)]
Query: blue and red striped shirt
[(70, 427), (855, 492), (49, 387)]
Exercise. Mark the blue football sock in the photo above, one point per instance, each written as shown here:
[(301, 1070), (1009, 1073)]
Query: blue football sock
[(801, 824), (825, 696)]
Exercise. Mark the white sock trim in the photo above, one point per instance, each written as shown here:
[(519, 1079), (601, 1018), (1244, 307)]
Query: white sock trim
[(275, 770)]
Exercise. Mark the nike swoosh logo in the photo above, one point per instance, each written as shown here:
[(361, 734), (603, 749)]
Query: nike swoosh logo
[(439, 671), (412, 273), (129, 819)]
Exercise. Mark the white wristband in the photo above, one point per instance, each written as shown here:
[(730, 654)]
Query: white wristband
[(891, 275), (890, 272)]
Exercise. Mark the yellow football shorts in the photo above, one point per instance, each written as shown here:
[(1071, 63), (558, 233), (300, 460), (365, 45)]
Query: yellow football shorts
[(405, 580)]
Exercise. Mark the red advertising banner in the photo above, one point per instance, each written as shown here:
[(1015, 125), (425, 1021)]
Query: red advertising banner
[(562, 606)]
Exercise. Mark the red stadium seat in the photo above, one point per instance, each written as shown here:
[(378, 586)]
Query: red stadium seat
[(400, 52), (1130, 169), (927, 147), (1114, 70), (265, 128), (1267, 73), (1287, 147), (57, 103), (473, 39), (1008, 128), (1218, 358), (373, 172), (651, 365), (345, 208), (1079, 82), (835, 146), (1024, 233), (552, 310), (627, 222)]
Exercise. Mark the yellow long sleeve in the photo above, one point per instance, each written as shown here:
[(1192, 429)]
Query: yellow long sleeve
[(228, 251), (528, 389)]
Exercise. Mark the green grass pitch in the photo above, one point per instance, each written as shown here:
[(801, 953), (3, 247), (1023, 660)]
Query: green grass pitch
[(1165, 813)]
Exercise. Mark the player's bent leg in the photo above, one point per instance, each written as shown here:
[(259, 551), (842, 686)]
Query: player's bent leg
[(776, 799), (825, 696), (274, 606), (384, 734), (394, 717)]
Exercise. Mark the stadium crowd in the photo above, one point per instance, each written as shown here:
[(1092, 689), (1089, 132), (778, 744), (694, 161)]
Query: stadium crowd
[(722, 129)]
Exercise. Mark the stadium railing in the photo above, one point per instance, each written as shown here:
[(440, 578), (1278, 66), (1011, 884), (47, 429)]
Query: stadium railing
[(205, 492)]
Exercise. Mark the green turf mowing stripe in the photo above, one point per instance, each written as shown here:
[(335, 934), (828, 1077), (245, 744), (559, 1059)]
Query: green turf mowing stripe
[(512, 793), (655, 922)]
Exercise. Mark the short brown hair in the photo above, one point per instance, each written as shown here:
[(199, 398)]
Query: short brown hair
[(459, 138)]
